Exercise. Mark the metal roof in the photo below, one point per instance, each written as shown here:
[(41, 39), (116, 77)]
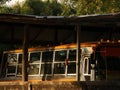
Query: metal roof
[(54, 29), (61, 20)]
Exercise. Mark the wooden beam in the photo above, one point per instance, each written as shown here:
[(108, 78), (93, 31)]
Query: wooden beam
[(25, 55)]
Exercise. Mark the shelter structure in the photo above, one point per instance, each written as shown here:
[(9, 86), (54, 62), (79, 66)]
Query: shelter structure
[(24, 31)]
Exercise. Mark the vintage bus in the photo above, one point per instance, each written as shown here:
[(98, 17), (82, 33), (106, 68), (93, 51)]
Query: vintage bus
[(99, 61)]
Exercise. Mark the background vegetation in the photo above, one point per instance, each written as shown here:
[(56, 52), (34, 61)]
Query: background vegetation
[(61, 7)]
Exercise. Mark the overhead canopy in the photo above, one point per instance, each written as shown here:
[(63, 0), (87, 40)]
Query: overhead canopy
[(58, 29)]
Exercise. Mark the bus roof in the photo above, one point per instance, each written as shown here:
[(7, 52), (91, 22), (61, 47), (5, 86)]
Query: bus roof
[(62, 46)]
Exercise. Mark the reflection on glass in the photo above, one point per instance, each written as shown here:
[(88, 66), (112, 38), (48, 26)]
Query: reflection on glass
[(11, 69), (59, 68), (60, 55), (12, 58), (72, 55), (34, 69), (71, 68), (86, 66), (35, 57), (20, 58), (46, 69), (5, 57), (47, 56), (19, 70)]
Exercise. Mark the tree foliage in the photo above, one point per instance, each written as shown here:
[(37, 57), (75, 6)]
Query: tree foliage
[(3, 1), (65, 7), (4, 9), (97, 6), (68, 7)]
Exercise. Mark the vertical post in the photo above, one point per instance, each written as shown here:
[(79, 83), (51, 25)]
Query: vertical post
[(25, 55), (78, 53)]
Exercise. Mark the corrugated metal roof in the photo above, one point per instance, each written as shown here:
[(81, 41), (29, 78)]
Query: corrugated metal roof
[(61, 20), (57, 28)]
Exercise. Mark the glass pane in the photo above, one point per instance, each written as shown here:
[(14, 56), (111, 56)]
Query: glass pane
[(72, 55), (4, 65), (35, 57), (34, 69), (20, 58), (72, 68), (12, 58), (60, 55), (11, 69), (59, 68), (19, 70), (47, 56), (5, 58), (86, 66), (46, 69)]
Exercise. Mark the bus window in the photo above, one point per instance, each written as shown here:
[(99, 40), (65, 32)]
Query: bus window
[(11, 70), (71, 68), (59, 63), (72, 55), (35, 57), (20, 58), (47, 56), (59, 68), (33, 69), (12, 64), (12, 58), (46, 69), (46, 64), (4, 65), (19, 69), (60, 55), (19, 66), (71, 62), (34, 63)]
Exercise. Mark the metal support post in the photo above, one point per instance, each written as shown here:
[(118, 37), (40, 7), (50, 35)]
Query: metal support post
[(25, 55), (78, 53)]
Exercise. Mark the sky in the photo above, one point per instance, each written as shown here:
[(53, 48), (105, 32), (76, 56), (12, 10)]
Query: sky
[(12, 2)]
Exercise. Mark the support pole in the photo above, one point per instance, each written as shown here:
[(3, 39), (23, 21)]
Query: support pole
[(78, 53), (25, 55)]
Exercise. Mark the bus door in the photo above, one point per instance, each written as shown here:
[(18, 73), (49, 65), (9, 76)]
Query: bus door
[(85, 64), (85, 69)]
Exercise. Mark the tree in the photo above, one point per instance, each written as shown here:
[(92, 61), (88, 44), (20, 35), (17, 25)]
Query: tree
[(97, 6), (68, 7), (54, 8), (3, 1), (38, 7), (4, 9), (63, 7)]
